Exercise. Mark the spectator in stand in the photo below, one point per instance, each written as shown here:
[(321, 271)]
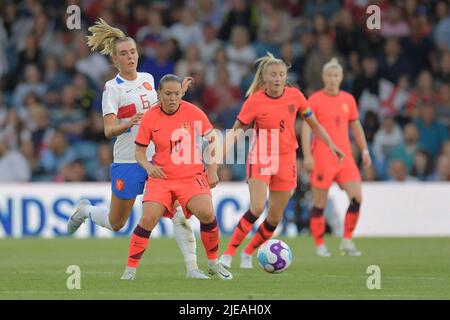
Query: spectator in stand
[(408, 149), (32, 83), (209, 43), (239, 51), (398, 172), (162, 63), (275, 25), (443, 104), (57, 155), (387, 138), (150, 35), (442, 171), (394, 25), (188, 30), (393, 64), (13, 164), (432, 133), (241, 13), (422, 165), (190, 63)]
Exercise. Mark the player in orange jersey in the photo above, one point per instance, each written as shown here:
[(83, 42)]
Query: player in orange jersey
[(336, 110), (125, 98), (273, 107), (177, 172)]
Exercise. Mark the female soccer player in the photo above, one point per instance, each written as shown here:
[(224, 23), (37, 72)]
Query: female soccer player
[(125, 99), (177, 173), (273, 107), (336, 110)]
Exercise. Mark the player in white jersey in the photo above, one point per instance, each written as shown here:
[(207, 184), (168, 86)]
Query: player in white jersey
[(125, 99)]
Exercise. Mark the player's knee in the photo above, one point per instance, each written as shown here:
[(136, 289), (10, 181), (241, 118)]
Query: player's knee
[(117, 225), (257, 209), (147, 222)]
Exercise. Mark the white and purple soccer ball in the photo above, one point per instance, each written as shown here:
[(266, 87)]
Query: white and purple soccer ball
[(274, 256)]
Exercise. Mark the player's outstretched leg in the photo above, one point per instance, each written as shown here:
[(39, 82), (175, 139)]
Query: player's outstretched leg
[(264, 233), (79, 216), (317, 228), (185, 238), (351, 219), (138, 245), (243, 227), (152, 212)]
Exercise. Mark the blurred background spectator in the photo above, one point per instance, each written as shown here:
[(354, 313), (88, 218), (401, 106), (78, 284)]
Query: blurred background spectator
[(50, 83)]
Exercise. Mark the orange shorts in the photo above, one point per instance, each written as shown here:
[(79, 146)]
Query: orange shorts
[(280, 175), (166, 191), (323, 174)]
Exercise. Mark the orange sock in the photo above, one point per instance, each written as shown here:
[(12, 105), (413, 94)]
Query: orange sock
[(264, 232), (243, 227), (317, 225), (351, 219), (138, 244), (210, 238)]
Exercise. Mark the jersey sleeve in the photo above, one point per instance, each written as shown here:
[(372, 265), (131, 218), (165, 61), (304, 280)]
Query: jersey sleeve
[(303, 106), (248, 112), (354, 113), (206, 125), (144, 135), (110, 100)]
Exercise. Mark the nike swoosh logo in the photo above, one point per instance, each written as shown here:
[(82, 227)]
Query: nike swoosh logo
[(128, 90), (224, 275), (156, 130), (265, 114)]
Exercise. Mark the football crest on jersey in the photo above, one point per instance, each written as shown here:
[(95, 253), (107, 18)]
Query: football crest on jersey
[(147, 86), (186, 126), (345, 107), (120, 184)]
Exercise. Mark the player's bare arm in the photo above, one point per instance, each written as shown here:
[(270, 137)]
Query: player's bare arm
[(360, 138), (113, 129), (141, 158), (187, 81), (322, 134), (308, 160), (232, 136), (213, 178)]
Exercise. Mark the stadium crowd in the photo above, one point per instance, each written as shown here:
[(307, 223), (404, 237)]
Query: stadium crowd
[(51, 126)]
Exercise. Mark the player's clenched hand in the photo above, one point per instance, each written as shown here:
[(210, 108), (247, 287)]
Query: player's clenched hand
[(308, 163), (156, 172), (213, 179), (338, 153), (187, 81), (366, 159), (135, 120)]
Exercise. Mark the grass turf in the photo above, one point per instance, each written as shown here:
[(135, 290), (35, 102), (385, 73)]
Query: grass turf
[(411, 268)]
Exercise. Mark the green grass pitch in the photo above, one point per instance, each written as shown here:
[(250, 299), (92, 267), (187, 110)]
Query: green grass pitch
[(411, 268)]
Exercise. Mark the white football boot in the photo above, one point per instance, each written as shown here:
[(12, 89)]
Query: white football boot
[(322, 251), (348, 248), (215, 268), (129, 274), (225, 260), (77, 218), (246, 261)]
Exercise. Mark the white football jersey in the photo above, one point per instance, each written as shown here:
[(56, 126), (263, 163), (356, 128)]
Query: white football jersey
[(125, 98)]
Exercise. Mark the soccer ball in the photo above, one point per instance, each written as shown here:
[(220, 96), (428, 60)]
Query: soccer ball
[(274, 256)]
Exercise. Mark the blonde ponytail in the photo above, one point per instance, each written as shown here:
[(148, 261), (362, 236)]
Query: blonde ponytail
[(333, 63), (258, 80), (104, 37)]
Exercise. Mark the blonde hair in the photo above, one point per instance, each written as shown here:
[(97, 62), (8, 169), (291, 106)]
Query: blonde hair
[(104, 37), (333, 63), (263, 62)]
